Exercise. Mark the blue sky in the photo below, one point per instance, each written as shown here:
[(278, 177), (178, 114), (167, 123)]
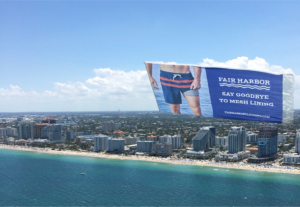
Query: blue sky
[(46, 45)]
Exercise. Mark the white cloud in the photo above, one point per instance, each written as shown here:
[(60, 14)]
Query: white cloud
[(15, 91), (243, 62), (107, 90), (113, 89), (120, 83)]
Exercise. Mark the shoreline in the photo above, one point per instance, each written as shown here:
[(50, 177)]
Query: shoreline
[(252, 167)]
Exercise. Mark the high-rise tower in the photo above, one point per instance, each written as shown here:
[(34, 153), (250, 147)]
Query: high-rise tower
[(297, 142), (25, 130), (267, 141), (236, 139)]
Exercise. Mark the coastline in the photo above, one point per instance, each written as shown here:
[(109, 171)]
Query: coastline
[(252, 167)]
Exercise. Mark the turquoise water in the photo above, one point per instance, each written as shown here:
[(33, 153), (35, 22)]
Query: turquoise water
[(37, 179)]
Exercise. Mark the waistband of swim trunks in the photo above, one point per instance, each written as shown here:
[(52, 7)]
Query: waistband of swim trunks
[(171, 73)]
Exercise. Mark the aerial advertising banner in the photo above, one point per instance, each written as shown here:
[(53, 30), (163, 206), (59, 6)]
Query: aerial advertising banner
[(222, 92)]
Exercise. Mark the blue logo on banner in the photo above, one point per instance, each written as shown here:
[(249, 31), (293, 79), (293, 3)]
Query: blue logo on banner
[(245, 95)]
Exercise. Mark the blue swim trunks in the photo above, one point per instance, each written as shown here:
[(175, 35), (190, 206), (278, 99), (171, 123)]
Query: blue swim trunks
[(175, 83)]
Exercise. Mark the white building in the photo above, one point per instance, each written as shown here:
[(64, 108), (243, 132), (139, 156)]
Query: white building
[(6, 132), (10, 140), (25, 130), (20, 141), (281, 138), (100, 143), (297, 142), (3, 132), (232, 156), (115, 144), (291, 159), (145, 146), (12, 132), (251, 138), (222, 142), (236, 139), (131, 140), (174, 140), (191, 153), (163, 149), (40, 141)]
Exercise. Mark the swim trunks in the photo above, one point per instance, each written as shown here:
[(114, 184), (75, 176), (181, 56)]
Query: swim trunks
[(175, 83)]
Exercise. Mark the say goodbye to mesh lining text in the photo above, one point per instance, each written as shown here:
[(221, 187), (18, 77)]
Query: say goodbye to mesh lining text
[(245, 95)]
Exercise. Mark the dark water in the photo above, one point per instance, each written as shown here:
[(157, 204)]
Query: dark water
[(36, 179)]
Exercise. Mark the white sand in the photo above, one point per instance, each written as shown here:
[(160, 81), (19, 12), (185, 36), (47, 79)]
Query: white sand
[(254, 167)]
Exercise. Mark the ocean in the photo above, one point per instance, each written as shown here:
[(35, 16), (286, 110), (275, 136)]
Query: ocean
[(39, 179)]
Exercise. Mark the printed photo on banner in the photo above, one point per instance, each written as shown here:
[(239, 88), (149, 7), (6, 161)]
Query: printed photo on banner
[(222, 92), (176, 88)]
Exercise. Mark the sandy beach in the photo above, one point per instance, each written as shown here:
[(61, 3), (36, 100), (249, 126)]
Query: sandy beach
[(253, 167)]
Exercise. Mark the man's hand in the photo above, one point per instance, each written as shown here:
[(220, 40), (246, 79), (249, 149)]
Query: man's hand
[(153, 83), (195, 85)]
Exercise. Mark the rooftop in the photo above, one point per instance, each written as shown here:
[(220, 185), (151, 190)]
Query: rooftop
[(200, 134), (118, 131)]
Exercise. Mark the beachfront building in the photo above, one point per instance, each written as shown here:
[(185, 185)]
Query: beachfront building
[(200, 141), (267, 141), (10, 140), (131, 140), (222, 142), (174, 140), (232, 157), (201, 154), (204, 139), (163, 149), (115, 145), (11, 132), (236, 139), (212, 137), (3, 132), (25, 130), (6, 132), (37, 129), (39, 141), (251, 138), (100, 143), (70, 135), (291, 159), (297, 142), (53, 133), (20, 141), (145, 146), (281, 138), (267, 145)]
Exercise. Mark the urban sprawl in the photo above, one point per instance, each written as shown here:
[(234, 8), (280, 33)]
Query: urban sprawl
[(156, 134)]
